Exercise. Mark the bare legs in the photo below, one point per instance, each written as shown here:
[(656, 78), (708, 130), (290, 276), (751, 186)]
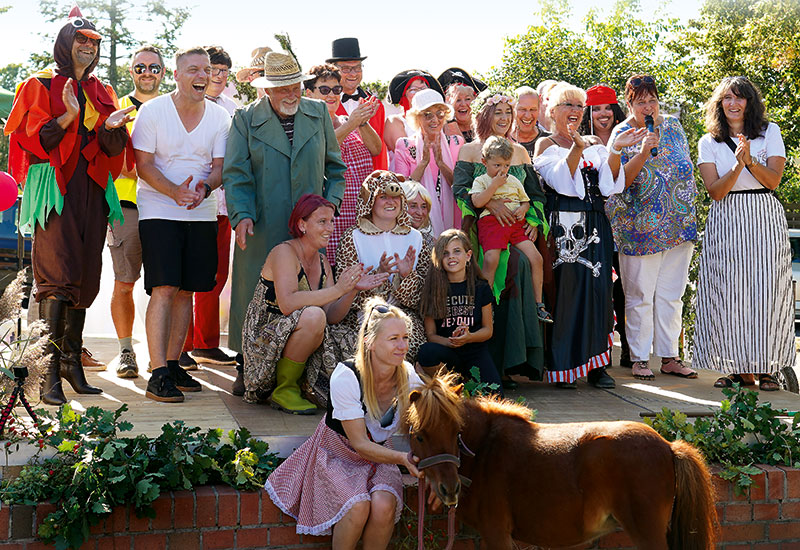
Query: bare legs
[(374, 519), (166, 323), (122, 309)]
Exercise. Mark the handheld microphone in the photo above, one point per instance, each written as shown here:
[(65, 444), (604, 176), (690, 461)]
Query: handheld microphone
[(648, 122)]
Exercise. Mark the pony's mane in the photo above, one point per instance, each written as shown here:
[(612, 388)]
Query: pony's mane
[(497, 405), (439, 399)]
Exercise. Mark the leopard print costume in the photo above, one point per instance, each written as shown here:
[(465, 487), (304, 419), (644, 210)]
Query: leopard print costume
[(404, 293)]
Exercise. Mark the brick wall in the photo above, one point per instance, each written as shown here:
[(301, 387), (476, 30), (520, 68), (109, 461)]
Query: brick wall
[(220, 518)]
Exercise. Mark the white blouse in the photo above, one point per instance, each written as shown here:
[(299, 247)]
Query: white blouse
[(761, 148), (552, 166), (347, 405), (371, 247)]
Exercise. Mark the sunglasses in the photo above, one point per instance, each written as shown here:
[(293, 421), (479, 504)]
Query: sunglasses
[(636, 82), (325, 90), (429, 116), (388, 417), (83, 39), (383, 310), (140, 68), (351, 70)]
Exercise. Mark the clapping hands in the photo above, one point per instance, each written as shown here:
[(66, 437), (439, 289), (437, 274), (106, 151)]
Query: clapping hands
[(395, 264)]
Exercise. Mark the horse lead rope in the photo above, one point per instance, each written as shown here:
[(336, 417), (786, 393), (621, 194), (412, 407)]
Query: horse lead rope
[(451, 513)]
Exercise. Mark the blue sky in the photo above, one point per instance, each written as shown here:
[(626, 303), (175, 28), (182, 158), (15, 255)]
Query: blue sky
[(395, 35)]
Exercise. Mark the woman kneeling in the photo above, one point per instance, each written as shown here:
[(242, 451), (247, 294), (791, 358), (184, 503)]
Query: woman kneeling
[(285, 336), (345, 476)]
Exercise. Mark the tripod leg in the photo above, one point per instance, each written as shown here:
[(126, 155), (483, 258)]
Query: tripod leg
[(7, 410), (31, 413)]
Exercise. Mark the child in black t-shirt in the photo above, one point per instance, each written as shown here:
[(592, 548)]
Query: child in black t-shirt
[(457, 308)]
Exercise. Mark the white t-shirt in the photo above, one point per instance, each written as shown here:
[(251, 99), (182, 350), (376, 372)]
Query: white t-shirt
[(370, 248), (178, 154), (761, 148), (346, 400)]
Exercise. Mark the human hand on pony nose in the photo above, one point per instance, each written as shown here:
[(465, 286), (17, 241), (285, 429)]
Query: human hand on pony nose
[(433, 500)]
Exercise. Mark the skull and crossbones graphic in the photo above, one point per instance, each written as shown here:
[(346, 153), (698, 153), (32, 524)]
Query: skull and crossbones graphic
[(571, 240)]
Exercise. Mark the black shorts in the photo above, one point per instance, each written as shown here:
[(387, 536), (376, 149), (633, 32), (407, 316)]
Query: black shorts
[(179, 253)]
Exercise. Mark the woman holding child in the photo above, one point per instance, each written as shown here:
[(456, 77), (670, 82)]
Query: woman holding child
[(517, 341), (285, 335), (578, 178)]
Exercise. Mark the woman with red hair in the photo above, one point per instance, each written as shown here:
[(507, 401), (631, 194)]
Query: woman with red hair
[(285, 338)]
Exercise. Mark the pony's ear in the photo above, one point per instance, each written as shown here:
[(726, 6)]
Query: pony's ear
[(458, 389), (413, 396)]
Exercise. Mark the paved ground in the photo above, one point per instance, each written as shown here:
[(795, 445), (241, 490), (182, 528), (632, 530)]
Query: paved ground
[(216, 407)]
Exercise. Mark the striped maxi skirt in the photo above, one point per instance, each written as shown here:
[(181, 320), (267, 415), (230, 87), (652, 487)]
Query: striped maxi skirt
[(745, 308)]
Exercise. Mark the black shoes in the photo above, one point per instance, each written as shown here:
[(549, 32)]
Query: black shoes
[(186, 362), (238, 384), (213, 355), (161, 387), (183, 380), (599, 378)]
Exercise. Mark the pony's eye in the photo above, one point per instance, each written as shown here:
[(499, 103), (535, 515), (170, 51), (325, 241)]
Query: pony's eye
[(419, 438)]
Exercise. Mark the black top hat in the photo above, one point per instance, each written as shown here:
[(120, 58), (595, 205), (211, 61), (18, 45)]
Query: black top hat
[(345, 49), (455, 75), (398, 84)]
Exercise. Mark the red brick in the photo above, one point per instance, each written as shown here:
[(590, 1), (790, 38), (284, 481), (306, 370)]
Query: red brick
[(737, 513), (763, 511), (117, 522), (105, 543), (249, 512), (38, 546), (163, 509), (184, 541), (217, 540), (782, 531), (743, 533), (251, 538), (137, 524), (150, 542), (281, 535), (792, 482), (4, 516), (184, 509), (737, 547), (227, 506), (769, 546), (786, 546), (98, 528), (206, 500), (118, 542), (269, 512), (722, 488), (12, 546), (719, 510), (42, 511), (790, 510), (776, 482), (758, 490)]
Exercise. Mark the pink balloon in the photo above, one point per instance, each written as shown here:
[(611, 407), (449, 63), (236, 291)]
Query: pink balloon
[(8, 191)]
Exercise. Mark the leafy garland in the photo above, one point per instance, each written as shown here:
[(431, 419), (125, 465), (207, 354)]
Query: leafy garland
[(94, 469), (741, 434)]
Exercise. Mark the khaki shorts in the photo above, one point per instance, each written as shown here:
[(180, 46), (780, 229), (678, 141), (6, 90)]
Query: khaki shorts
[(126, 248)]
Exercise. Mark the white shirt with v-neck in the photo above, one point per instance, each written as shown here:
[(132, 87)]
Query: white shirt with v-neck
[(159, 130)]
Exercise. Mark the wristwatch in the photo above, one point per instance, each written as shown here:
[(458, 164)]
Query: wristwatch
[(208, 189)]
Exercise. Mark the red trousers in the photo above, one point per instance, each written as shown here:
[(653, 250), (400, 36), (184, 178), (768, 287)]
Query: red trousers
[(203, 330)]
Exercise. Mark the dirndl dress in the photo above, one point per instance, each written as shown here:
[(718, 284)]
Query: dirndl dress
[(322, 480), (745, 308), (583, 315)]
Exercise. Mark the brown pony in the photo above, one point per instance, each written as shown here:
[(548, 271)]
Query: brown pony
[(557, 485)]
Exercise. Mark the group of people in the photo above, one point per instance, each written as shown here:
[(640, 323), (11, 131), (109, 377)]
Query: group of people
[(509, 231)]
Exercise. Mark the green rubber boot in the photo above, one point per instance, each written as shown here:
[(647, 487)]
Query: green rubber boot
[(286, 396)]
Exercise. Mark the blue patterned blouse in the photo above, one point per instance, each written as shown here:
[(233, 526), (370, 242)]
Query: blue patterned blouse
[(656, 213)]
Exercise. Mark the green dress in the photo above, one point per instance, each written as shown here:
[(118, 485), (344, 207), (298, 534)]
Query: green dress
[(517, 342)]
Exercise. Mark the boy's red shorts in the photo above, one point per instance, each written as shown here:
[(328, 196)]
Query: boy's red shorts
[(493, 236)]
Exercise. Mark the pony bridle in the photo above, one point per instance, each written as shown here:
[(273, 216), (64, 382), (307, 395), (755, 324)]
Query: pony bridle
[(444, 458)]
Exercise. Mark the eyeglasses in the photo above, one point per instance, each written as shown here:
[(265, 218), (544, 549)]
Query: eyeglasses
[(351, 70), (325, 90), (83, 39), (429, 116), (569, 105), (217, 72), (140, 68), (636, 82), (383, 310)]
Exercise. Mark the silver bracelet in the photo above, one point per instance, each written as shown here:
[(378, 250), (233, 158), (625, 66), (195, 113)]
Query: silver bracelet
[(615, 151)]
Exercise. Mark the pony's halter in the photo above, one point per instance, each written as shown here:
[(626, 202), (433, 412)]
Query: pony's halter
[(451, 513)]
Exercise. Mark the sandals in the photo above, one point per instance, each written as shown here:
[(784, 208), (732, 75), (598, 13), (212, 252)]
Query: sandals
[(731, 379), (543, 314), (684, 372), (641, 371), (766, 382)]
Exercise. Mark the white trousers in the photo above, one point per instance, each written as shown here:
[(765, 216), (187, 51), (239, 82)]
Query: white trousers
[(654, 285)]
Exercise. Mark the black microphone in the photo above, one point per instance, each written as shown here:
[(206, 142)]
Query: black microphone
[(648, 121)]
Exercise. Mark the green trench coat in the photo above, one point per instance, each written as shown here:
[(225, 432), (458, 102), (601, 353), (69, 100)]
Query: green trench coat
[(264, 176)]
